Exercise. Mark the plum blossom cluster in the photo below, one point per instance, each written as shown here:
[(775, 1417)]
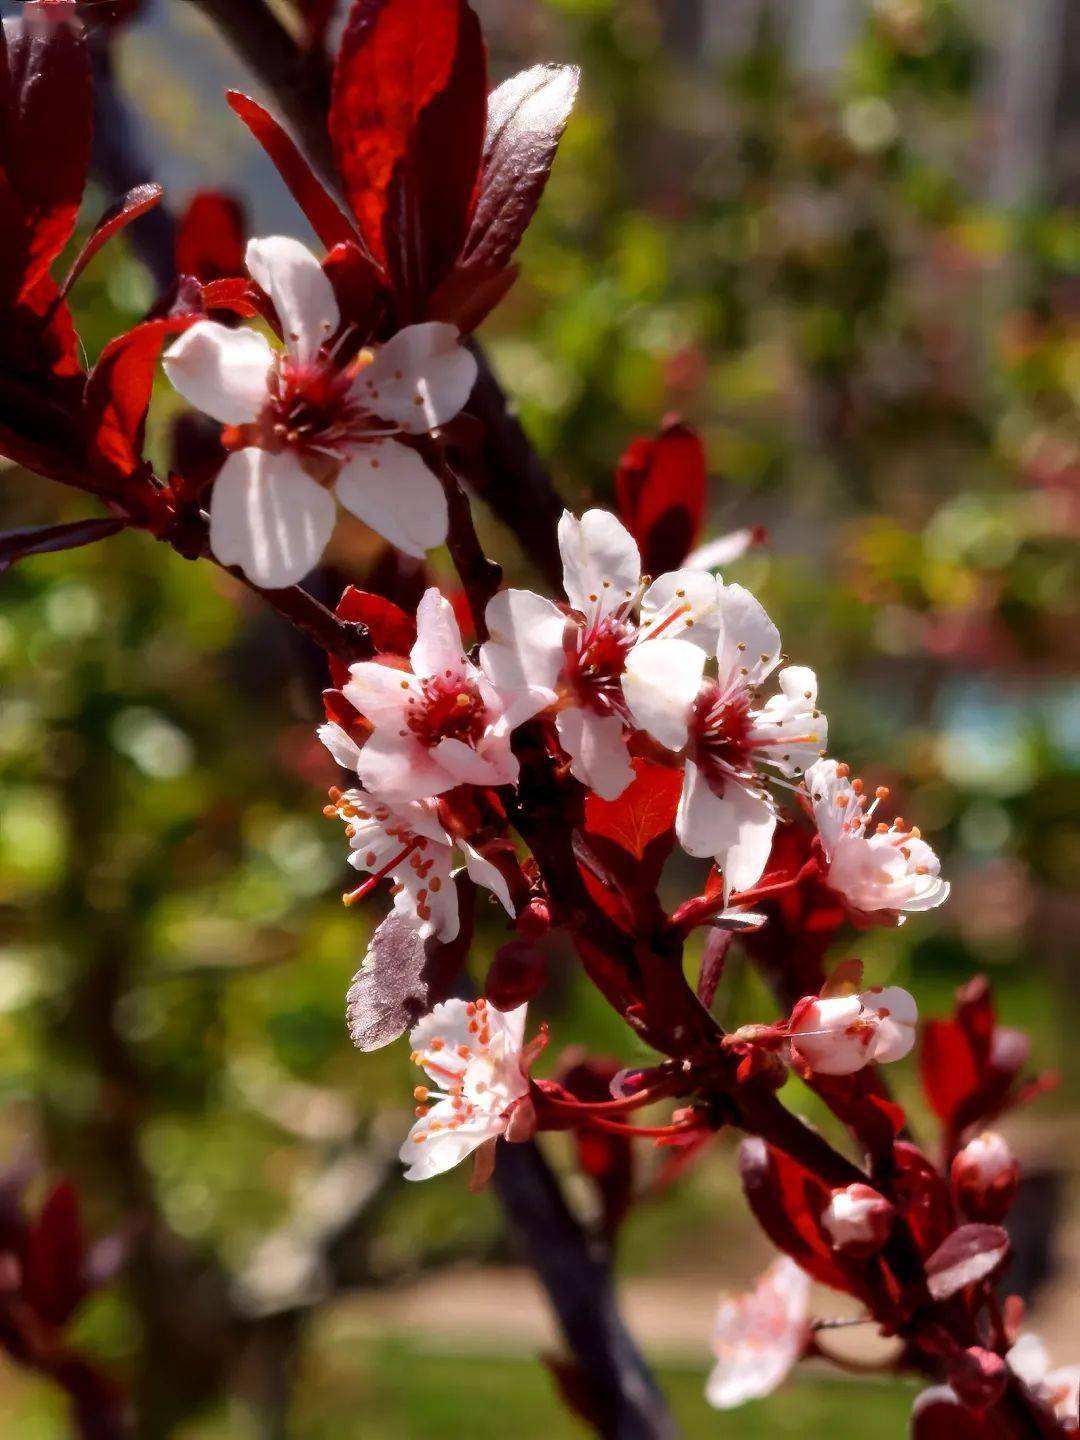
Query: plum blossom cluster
[(555, 763)]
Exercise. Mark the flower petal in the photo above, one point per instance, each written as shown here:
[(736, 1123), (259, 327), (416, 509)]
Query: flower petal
[(492, 764), (597, 749), (524, 650), (660, 681), (221, 372), (303, 297), (735, 828), (488, 875), (381, 693), (420, 378), (601, 562), (683, 603), (429, 1151), (269, 517), (342, 747), (389, 487), (438, 648), (749, 641), (397, 767)]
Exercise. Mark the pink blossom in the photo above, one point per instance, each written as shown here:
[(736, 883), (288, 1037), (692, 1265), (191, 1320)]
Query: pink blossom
[(839, 1034), (442, 723), (985, 1175), (474, 1054), (759, 1336), (311, 428), (578, 662), (406, 844), (883, 871), (858, 1220), (1058, 1389)]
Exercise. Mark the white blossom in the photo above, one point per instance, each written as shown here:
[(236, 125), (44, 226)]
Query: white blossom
[(839, 1034), (759, 1336), (1058, 1389)]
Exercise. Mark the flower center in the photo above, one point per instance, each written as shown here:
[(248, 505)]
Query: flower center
[(720, 727), (450, 708), (313, 411), (596, 663)]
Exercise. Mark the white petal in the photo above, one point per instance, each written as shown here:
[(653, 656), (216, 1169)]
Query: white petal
[(895, 1036), (524, 650), (397, 767), (1028, 1359), (491, 764), (597, 749), (221, 372), (660, 682), (389, 487), (735, 828), (303, 297), (601, 561), (381, 693), (440, 1150), (341, 746), (420, 378), (438, 638), (721, 551), (830, 795), (488, 875), (683, 603), (269, 517), (748, 639)]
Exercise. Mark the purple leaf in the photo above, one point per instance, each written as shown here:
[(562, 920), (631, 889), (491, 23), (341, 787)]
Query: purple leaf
[(117, 217), (43, 539), (969, 1254)]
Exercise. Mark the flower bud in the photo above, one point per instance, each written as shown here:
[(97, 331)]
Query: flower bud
[(858, 1220), (517, 974), (978, 1377), (985, 1175)]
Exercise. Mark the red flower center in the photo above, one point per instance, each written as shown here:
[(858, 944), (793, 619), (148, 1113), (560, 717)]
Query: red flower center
[(595, 665), (311, 409), (720, 734), (451, 709)]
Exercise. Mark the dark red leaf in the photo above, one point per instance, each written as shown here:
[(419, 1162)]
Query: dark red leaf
[(117, 217), (403, 977), (660, 489), (468, 294), (327, 218), (44, 129), (210, 237), (969, 1254), (947, 1067), (53, 1282), (240, 296), (939, 1415), (526, 117), (360, 293), (392, 631), (118, 395), (44, 539), (407, 123), (643, 812), (788, 1201)]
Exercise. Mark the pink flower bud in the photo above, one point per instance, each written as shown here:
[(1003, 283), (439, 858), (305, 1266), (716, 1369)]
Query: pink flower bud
[(978, 1377), (858, 1220), (839, 1034), (985, 1175)]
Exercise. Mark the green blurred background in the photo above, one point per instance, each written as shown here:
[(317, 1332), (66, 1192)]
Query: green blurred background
[(841, 239)]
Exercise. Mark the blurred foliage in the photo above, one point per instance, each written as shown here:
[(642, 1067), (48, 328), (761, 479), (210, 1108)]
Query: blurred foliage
[(886, 372)]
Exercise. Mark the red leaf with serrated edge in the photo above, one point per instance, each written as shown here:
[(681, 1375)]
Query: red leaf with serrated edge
[(526, 117), (118, 396), (974, 1252), (138, 200), (660, 489), (53, 1283), (643, 812), (327, 218), (45, 110), (788, 1201), (45, 539), (407, 124), (210, 237)]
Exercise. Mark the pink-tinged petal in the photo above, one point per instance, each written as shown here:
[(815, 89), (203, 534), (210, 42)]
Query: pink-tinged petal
[(269, 518), (494, 764), (831, 796), (420, 378), (438, 1038), (489, 876), (660, 683), (683, 603), (524, 651), (895, 1036), (510, 1024), (381, 693), (735, 828), (221, 372), (303, 297), (759, 1336), (342, 747), (601, 562), (790, 729), (428, 1152), (596, 745), (749, 641), (397, 767), (388, 486), (438, 648), (829, 1037), (723, 550)]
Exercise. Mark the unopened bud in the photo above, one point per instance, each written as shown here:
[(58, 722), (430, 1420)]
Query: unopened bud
[(985, 1175), (978, 1376), (858, 1220), (534, 919), (517, 974)]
